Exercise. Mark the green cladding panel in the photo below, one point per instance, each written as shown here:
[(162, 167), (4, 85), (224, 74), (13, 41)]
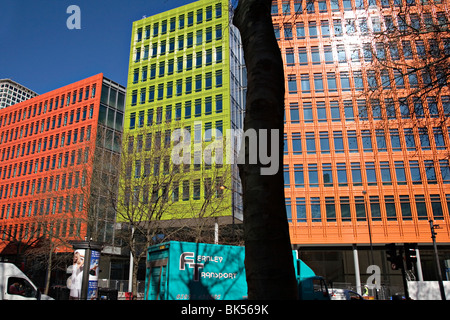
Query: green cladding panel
[(180, 77)]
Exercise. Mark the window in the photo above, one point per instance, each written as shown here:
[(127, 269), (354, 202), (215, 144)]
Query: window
[(290, 60), (445, 171), (306, 88), (310, 143), (324, 143), (371, 174), (313, 175), (298, 176), (356, 174), (327, 175), (345, 208), (292, 84), (315, 209), (330, 208), (301, 209), (436, 206), (352, 141), (415, 172), (312, 28), (341, 174), (375, 208), (296, 143), (293, 108), (360, 207), (430, 172), (385, 173)]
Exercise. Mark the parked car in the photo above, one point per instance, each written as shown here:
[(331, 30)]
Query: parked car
[(344, 294)]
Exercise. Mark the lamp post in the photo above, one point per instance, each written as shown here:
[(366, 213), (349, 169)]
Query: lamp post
[(436, 256), (370, 235)]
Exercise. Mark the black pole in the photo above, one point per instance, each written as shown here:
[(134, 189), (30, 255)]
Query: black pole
[(436, 256)]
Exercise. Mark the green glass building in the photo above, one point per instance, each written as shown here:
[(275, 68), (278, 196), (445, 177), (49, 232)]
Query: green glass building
[(186, 74)]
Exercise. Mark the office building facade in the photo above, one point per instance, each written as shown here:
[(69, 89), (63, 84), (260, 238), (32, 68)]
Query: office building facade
[(361, 172), (50, 146), (12, 92), (185, 75)]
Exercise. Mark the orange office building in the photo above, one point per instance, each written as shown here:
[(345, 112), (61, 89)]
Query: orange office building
[(47, 148), (363, 171)]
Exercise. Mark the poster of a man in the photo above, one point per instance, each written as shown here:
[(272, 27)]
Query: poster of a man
[(74, 282)]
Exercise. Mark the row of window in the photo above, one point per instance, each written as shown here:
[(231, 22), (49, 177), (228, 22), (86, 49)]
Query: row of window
[(47, 106), (202, 132), (190, 190), (361, 26), (370, 174), (36, 230), (180, 44), (170, 25), (154, 116), (330, 82), (175, 88), (57, 121), (357, 208), (342, 53), (287, 7), (49, 184), (431, 107), (181, 63), (408, 139), (60, 140)]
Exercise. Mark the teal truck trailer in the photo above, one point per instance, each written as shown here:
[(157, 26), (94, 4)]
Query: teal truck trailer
[(199, 271)]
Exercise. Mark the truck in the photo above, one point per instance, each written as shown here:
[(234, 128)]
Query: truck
[(15, 285), (198, 271)]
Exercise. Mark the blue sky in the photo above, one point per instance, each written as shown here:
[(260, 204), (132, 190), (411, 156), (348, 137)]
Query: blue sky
[(40, 52)]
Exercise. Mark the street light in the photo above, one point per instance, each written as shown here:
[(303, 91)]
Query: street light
[(436, 256), (370, 235)]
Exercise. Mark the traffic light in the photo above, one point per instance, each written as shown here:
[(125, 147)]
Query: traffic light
[(393, 257), (410, 255)]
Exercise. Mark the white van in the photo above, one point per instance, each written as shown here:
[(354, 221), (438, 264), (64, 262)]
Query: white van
[(15, 285)]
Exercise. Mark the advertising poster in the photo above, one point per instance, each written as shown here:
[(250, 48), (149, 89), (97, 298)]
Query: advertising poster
[(75, 281), (93, 275)]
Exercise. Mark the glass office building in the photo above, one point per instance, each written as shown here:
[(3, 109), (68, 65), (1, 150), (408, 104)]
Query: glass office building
[(185, 75), (12, 92), (54, 148), (361, 170)]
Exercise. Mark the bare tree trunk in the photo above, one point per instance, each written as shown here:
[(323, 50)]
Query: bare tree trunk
[(268, 256), (49, 267)]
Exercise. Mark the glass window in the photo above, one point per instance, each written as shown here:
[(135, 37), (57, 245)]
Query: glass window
[(371, 174), (345, 208), (338, 142), (436, 207), (294, 113), (421, 207), (360, 207), (299, 176), (327, 175), (296, 143), (301, 209), (330, 208), (405, 206), (342, 174), (375, 208), (310, 143), (315, 209), (352, 141), (430, 172), (390, 207), (356, 174), (400, 172), (415, 172), (445, 171), (324, 142), (313, 175)]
